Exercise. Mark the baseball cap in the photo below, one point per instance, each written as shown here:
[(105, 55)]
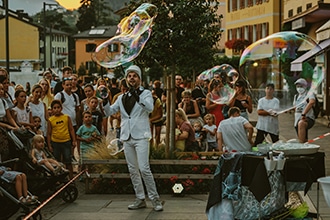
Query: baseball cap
[(302, 82), (134, 69)]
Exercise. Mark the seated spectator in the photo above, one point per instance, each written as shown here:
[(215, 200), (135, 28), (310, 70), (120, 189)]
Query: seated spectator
[(232, 135), (187, 131), (190, 107), (21, 185), (39, 157)]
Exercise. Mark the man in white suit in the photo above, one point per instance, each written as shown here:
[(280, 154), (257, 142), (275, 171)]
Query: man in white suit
[(135, 106)]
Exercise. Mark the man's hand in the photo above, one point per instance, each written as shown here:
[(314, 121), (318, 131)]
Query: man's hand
[(135, 93)]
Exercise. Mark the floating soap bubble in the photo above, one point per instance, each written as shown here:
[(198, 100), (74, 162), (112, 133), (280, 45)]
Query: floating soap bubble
[(228, 76), (103, 91), (115, 146), (269, 61), (132, 34)]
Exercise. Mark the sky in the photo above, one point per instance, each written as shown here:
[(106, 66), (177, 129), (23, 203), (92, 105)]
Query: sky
[(69, 4)]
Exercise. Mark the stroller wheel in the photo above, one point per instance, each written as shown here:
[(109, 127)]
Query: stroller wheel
[(70, 194), (37, 216)]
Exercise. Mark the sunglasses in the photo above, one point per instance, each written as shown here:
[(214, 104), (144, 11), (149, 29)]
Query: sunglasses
[(67, 78)]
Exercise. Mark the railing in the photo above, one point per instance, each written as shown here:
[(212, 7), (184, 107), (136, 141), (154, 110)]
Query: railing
[(153, 162)]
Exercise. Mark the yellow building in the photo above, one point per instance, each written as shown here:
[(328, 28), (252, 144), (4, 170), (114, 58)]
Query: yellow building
[(252, 20), (23, 42), (87, 41)]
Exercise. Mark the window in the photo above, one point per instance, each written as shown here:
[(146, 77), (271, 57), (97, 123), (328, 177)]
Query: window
[(113, 48), (308, 6), (290, 13), (90, 48), (299, 9)]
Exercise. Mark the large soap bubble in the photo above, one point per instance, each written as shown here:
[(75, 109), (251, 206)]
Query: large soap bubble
[(228, 76), (133, 33), (269, 61)]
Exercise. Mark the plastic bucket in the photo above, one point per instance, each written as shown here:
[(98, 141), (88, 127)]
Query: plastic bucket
[(325, 183), (269, 164), (280, 164)]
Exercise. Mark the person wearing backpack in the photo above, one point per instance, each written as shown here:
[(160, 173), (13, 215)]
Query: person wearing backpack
[(304, 117)]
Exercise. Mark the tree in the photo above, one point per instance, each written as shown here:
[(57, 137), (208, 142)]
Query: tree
[(183, 36), (94, 13)]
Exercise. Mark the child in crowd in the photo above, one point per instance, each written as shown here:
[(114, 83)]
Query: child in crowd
[(87, 134), (23, 114), (199, 135), (61, 135), (38, 108), (211, 131), (39, 157), (97, 115), (37, 125), (21, 185)]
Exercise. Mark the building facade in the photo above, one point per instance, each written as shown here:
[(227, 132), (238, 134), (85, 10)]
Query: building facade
[(23, 41), (251, 20), (86, 43)]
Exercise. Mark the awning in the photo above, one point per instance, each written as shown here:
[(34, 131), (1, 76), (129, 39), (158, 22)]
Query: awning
[(296, 65)]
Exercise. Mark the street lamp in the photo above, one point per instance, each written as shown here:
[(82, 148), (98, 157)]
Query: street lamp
[(44, 15)]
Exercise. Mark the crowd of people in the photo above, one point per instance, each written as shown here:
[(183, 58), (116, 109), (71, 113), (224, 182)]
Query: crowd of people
[(68, 114)]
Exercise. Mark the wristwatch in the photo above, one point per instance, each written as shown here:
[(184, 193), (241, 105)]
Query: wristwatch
[(303, 115)]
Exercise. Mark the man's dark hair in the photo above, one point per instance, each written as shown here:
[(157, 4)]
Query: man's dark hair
[(233, 110), (270, 85)]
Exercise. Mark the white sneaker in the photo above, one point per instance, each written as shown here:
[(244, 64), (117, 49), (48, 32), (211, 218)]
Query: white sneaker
[(138, 204), (157, 204)]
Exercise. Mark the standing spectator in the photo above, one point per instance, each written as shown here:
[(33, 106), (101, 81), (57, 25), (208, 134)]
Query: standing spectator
[(114, 90), (241, 99), (178, 89), (211, 132), (87, 134), (135, 107), (97, 115), (49, 76), (11, 89), (76, 88), (158, 90), (267, 117), (156, 119), (46, 95), (70, 101), (199, 135), (211, 100), (190, 107), (232, 135), (7, 96), (199, 94), (28, 88), (37, 107), (6, 119), (66, 74), (114, 87), (101, 82), (22, 112), (61, 136), (304, 118)]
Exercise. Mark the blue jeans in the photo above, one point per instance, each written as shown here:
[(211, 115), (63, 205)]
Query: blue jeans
[(137, 157)]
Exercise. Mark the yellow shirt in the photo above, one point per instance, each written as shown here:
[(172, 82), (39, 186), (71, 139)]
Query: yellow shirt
[(60, 128)]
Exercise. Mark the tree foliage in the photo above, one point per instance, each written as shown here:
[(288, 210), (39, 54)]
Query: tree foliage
[(183, 37), (94, 13)]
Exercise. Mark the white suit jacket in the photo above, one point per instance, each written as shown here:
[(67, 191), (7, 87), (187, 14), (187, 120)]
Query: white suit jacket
[(136, 124)]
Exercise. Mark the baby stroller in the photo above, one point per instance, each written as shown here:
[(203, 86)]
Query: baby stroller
[(41, 179), (9, 203)]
